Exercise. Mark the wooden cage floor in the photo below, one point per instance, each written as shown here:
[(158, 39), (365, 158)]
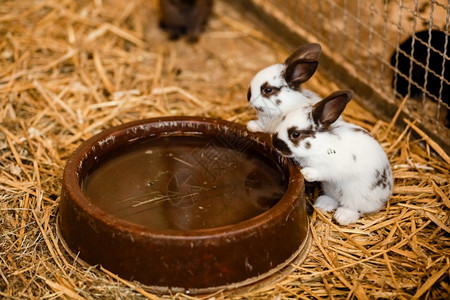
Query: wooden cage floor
[(69, 69)]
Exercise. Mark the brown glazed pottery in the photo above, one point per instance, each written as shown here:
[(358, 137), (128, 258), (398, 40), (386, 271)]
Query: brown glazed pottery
[(184, 204)]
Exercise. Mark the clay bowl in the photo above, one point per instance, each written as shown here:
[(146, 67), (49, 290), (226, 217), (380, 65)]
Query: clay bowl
[(184, 204)]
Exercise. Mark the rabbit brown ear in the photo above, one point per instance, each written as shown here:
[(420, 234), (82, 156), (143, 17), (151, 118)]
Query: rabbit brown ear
[(301, 65), (308, 52), (328, 110)]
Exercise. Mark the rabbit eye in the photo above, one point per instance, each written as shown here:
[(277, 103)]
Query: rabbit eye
[(267, 90), (295, 134)]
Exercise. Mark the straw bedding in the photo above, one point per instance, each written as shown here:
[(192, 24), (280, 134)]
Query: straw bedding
[(69, 69)]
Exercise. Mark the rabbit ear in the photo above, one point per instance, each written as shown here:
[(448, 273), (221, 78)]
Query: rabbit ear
[(301, 64), (328, 110), (308, 52)]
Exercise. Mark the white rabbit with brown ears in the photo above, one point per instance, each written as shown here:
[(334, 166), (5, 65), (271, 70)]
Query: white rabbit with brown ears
[(276, 90), (352, 167)]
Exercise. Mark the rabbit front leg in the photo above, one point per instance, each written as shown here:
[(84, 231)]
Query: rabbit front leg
[(346, 216), (311, 174), (326, 203), (255, 126)]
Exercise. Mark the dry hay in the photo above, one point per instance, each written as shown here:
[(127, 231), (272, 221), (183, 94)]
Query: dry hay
[(69, 69)]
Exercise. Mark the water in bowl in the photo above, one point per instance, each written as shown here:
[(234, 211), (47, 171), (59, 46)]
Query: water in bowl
[(185, 183)]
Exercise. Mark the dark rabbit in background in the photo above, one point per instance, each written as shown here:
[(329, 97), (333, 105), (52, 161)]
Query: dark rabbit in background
[(184, 17), (419, 52)]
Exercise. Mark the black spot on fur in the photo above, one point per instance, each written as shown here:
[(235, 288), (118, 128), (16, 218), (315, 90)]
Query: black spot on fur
[(278, 102), (382, 178), (280, 145), (361, 130), (331, 130), (354, 157), (310, 118), (249, 94)]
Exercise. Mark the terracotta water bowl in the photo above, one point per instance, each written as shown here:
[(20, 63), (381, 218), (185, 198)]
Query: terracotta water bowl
[(184, 204)]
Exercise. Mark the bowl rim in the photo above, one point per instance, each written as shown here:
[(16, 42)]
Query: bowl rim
[(72, 180)]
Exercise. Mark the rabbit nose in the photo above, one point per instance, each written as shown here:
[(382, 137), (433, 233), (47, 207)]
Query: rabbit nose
[(280, 145)]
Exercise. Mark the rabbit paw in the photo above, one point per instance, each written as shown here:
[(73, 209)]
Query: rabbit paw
[(254, 126), (326, 203), (310, 174), (345, 216)]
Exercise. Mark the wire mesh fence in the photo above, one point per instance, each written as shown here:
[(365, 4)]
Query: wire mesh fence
[(397, 48)]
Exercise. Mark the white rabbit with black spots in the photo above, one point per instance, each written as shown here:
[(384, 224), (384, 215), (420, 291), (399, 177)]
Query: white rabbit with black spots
[(276, 90), (352, 167)]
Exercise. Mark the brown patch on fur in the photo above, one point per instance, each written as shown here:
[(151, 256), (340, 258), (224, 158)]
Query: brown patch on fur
[(280, 145)]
